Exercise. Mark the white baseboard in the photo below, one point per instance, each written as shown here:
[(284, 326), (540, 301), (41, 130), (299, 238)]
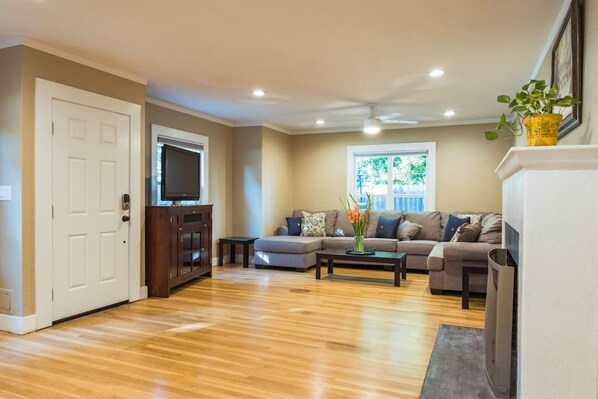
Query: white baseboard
[(18, 325), (143, 292)]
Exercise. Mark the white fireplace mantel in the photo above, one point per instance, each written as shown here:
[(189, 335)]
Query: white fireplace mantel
[(550, 196)]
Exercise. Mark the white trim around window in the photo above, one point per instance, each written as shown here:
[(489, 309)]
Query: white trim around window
[(427, 147), (183, 137)]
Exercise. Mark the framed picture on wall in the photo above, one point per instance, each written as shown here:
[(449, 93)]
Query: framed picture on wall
[(567, 64)]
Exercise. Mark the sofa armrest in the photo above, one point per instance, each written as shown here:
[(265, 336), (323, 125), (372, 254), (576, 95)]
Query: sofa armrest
[(282, 231), (476, 251)]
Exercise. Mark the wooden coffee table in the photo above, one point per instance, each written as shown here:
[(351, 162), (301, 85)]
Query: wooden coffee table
[(396, 259)]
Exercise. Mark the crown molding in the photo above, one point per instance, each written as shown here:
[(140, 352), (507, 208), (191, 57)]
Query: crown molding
[(16, 41), (394, 127), (264, 124), (188, 111), (551, 36)]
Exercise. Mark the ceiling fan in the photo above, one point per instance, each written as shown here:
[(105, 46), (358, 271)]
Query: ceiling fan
[(373, 124)]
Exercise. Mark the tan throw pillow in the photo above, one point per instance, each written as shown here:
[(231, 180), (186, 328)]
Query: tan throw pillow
[(467, 232), (313, 224), (408, 230), (491, 229)]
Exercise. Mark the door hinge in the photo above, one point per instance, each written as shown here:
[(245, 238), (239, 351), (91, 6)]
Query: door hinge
[(52, 211), (52, 128), (52, 295)]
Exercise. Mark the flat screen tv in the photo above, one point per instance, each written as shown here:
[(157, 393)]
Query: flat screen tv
[(181, 170)]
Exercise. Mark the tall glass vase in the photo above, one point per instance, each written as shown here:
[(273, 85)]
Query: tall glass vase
[(358, 244)]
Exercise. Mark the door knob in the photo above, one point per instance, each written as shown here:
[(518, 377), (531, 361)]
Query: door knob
[(126, 218)]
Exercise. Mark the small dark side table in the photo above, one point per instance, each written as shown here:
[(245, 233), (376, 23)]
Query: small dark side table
[(232, 241), (467, 269)]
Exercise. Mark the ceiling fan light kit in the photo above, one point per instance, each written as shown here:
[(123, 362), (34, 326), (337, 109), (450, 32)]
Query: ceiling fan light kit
[(371, 126)]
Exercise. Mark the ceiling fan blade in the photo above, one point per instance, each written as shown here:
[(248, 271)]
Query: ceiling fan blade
[(388, 116), (400, 122)]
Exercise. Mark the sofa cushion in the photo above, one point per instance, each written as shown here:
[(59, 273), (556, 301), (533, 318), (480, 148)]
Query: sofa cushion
[(342, 223), (454, 222), (445, 215), (491, 229), (416, 247), (407, 230), (288, 244), (294, 226), (370, 231), (436, 257), (331, 215), (430, 222), (471, 251), (379, 244), (387, 228), (313, 224)]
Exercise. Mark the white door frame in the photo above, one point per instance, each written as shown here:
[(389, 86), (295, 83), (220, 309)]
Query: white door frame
[(45, 92)]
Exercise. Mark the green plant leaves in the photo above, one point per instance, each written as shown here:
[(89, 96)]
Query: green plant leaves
[(503, 99), (491, 135)]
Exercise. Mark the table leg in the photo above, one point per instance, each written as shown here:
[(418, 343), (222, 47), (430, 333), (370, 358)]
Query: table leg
[(233, 257), (397, 269), (465, 288), (404, 267), (318, 264), (220, 253), (245, 256), (330, 266)]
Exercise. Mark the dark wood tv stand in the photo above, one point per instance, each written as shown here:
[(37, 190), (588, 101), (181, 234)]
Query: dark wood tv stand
[(178, 246)]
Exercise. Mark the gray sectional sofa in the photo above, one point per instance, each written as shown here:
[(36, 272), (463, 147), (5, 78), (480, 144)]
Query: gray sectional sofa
[(426, 251)]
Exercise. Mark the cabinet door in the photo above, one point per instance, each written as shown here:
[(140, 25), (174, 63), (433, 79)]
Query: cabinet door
[(173, 267), (191, 248), (206, 254)]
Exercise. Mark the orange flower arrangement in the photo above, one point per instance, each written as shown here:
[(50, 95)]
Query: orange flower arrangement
[(357, 219)]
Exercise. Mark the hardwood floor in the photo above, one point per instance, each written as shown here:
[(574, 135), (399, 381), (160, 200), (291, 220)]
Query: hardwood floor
[(245, 333)]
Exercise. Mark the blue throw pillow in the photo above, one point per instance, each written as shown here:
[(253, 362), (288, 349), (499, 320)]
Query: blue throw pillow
[(452, 225), (387, 228), (294, 225)]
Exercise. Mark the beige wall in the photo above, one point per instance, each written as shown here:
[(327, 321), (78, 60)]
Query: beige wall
[(465, 164), (11, 243), (276, 179), (37, 64), (220, 161), (587, 132), (247, 181)]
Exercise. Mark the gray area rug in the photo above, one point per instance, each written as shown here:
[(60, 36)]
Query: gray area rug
[(456, 368)]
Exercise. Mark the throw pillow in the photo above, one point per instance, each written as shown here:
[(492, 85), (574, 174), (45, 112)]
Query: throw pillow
[(313, 224), (491, 229), (452, 225), (294, 225), (474, 218), (408, 230), (387, 227), (467, 233)]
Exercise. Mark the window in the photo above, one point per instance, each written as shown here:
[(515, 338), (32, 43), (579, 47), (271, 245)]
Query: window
[(190, 141), (397, 176)]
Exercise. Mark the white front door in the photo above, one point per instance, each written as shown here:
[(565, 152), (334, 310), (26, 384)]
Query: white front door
[(90, 157)]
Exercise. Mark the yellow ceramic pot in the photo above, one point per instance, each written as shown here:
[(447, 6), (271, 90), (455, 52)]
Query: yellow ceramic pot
[(542, 129)]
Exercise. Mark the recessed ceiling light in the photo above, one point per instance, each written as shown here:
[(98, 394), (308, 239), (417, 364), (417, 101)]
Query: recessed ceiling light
[(258, 93), (320, 122), (435, 73), (449, 113)]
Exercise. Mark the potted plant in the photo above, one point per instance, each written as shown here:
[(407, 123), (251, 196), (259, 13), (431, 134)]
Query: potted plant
[(358, 219), (533, 107)]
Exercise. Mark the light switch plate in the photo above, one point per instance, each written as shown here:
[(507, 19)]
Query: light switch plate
[(5, 193)]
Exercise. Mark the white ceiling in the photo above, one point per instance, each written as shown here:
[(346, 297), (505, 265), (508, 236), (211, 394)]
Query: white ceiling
[(315, 59)]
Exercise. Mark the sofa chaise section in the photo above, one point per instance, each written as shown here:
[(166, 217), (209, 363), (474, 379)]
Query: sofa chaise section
[(287, 251)]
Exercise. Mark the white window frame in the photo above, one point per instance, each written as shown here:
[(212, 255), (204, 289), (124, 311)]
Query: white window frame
[(185, 137), (376, 149)]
